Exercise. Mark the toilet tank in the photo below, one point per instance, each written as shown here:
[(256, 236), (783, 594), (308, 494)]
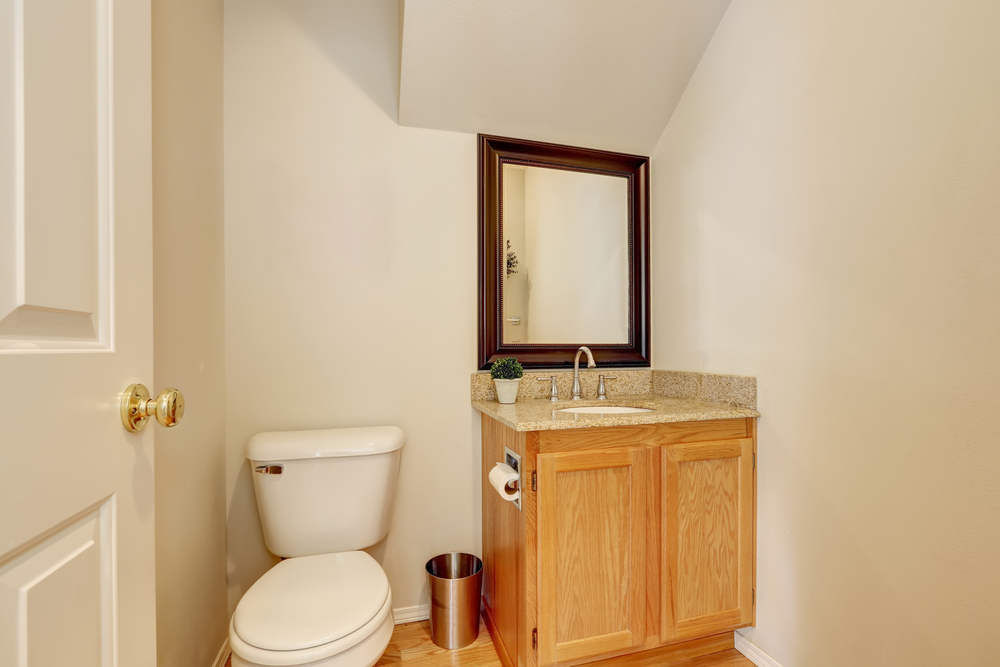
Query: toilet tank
[(325, 491)]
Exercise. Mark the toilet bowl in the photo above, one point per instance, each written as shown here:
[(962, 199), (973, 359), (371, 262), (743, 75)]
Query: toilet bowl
[(331, 609), (322, 495)]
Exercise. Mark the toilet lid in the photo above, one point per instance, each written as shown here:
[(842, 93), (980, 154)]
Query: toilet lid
[(309, 601)]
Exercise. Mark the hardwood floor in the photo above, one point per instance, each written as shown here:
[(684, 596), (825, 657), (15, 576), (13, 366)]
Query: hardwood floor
[(730, 658), (411, 644)]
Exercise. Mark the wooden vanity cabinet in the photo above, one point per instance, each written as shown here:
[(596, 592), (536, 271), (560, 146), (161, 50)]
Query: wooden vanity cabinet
[(633, 543)]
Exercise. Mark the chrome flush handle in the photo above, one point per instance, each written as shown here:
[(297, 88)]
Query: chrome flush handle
[(273, 469)]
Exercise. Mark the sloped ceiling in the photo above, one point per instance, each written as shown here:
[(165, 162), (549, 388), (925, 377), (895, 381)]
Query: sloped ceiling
[(595, 73)]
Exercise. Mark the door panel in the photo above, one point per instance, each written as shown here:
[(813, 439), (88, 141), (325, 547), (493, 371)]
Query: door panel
[(56, 175), (56, 628), (76, 529), (707, 538), (592, 530)]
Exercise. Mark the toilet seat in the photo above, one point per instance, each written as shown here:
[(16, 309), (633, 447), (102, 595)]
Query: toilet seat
[(313, 608)]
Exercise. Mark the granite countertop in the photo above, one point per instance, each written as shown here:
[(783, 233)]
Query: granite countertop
[(540, 414), (672, 396)]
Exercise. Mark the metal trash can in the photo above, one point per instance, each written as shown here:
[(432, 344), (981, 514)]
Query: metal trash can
[(456, 586)]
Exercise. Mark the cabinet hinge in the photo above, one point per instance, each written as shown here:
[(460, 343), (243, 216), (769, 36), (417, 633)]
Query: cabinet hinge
[(534, 638), (755, 460), (753, 595), (534, 480)]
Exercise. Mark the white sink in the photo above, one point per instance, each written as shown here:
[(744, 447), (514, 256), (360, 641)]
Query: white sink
[(602, 410)]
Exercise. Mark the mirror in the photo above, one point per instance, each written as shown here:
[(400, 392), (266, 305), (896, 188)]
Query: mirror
[(565, 236), (564, 257)]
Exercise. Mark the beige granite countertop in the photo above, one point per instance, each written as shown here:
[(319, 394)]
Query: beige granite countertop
[(540, 414), (670, 396)]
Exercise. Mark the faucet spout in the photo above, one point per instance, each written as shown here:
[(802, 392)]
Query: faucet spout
[(576, 369)]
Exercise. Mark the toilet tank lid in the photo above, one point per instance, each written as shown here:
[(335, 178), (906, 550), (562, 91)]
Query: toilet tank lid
[(325, 443)]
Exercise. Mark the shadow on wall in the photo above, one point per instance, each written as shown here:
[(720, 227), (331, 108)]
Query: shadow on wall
[(362, 38)]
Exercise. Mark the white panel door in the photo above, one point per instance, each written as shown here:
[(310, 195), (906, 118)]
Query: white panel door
[(76, 494)]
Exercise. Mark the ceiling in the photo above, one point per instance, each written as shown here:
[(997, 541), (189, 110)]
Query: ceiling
[(601, 74)]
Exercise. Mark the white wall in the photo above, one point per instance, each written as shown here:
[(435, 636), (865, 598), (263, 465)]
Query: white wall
[(350, 270), (576, 256), (192, 619), (826, 217)]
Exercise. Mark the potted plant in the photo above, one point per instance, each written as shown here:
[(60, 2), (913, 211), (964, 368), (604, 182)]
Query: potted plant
[(506, 374)]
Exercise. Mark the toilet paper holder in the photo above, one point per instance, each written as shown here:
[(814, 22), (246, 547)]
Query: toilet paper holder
[(514, 461)]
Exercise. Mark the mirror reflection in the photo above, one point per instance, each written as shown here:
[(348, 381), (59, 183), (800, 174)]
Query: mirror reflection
[(565, 238)]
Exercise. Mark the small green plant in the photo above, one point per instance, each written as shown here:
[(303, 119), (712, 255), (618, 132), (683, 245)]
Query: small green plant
[(507, 368), (511, 260)]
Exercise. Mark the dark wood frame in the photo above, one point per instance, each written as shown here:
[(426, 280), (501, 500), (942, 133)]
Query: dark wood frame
[(493, 153)]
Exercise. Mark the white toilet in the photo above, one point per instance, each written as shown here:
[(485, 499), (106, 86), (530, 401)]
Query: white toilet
[(322, 495)]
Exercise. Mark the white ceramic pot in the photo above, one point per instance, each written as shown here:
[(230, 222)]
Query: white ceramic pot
[(506, 389)]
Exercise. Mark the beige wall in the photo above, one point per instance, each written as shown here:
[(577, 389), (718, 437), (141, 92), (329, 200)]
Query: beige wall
[(192, 616), (350, 271), (826, 216)]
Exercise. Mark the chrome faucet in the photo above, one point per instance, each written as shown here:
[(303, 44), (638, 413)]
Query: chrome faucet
[(576, 369)]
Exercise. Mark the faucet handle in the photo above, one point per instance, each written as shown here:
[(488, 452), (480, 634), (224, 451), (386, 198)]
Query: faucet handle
[(553, 391), (601, 393)]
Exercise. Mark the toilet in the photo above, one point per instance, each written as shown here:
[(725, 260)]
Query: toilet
[(322, 496)]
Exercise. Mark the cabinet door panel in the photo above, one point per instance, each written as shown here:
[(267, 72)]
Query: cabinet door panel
[(592, 531), (707, 538)]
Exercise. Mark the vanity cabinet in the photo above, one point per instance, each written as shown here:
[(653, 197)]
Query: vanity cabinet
[(632, 543)]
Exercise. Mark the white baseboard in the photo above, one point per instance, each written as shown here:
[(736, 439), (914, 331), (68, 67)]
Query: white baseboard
[(421, 612), (752, 653), (220, 660)]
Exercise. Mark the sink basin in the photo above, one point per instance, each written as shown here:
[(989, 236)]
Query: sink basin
[(605, 410)]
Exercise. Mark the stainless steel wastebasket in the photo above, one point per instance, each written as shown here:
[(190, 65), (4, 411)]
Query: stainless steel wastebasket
[(456, 581)]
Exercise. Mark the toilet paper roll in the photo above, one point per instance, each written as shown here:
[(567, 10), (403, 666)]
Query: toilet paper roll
[(501, 475)]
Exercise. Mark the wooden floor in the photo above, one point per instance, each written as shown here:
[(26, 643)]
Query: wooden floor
[(411, 644)]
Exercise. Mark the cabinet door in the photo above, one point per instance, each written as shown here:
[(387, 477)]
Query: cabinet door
[(707, 538), (591, 553)]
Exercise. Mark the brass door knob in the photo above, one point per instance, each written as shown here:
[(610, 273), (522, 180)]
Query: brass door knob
[(138, 407)]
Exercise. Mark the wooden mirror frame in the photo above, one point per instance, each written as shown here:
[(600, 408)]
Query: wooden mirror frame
[(494, 152)]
